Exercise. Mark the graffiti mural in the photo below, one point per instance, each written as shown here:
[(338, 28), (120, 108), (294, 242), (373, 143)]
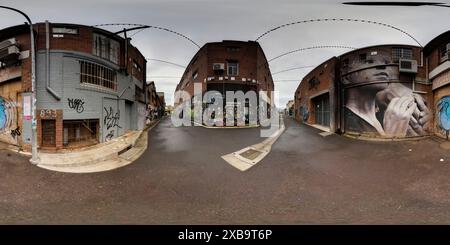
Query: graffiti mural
[(109, 136), (443, 115), (76, 104), (111, 119), (304, 113), (377, 102), (8, 121), (16, 132)]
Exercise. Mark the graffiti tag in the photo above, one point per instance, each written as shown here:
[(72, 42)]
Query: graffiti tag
[(76, 104), (110, 135), (16, 132), (111, 119)]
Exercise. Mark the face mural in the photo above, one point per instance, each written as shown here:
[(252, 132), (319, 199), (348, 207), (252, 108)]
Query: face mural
[(443, 115), (378, 103)]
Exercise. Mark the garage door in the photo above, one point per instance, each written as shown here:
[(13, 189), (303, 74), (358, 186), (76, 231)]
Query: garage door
[(322, 110)]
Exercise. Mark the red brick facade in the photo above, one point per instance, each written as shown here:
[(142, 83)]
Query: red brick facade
[(253, 67)]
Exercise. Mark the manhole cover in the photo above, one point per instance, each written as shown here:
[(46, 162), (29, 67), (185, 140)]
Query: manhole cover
[(250, 154)]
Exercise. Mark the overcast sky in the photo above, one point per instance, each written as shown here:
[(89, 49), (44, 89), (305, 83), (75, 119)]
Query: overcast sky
[(213, 20)]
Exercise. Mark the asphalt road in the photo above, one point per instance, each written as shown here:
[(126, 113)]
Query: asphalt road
[(181, 179)]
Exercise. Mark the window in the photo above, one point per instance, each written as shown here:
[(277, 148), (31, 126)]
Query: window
[(313, 82), (106, 48), (401, 53), (233, 68), (345, 63), (363, 58), (136, 66), (64, 30), (443, 52), (139, 94), (98, 76), (195, 75)]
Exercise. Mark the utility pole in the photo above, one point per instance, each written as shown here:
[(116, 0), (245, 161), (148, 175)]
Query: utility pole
[(34, 152)]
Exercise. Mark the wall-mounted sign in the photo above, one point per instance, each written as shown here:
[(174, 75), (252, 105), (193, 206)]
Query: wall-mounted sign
[(47, 113), (27, 107)]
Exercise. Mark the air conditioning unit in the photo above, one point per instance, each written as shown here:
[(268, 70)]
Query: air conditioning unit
[(9, 54), (7, 43), (407, 66), (218, 66)]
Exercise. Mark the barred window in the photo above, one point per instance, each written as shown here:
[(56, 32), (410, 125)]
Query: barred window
[(106, 48), (401, 53), (233, 68), (97, 75)]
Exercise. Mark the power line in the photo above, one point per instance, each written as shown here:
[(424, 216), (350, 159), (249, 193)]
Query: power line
[(338, 19), (291, 69), (308, 48), (149, 26), (167, 62)]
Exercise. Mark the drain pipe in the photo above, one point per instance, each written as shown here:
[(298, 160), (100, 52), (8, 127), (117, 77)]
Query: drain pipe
[(47, 62)]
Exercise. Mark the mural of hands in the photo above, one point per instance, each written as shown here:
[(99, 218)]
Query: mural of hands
[(420, 122), (398, 115)]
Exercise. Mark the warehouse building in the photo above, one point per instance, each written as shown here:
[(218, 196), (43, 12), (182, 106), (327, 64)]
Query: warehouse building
[(90, 86), (228, 66), (436, 54), (374, 92)]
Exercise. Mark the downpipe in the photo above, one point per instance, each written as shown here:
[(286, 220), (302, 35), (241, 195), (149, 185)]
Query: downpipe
[(47, 62)]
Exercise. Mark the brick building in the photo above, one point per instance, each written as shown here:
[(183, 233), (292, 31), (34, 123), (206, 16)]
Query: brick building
[(369, 92), (90, 85), (436, 54), (228, 66), (315, 96)]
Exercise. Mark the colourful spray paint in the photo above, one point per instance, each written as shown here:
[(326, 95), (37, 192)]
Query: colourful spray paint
[(8, 121), (443, 114), (2, 114)]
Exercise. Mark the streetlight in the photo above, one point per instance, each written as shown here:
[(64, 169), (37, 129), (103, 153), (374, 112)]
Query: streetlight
[(34, 158)]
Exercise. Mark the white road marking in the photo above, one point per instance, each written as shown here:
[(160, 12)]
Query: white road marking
[(236, 160)]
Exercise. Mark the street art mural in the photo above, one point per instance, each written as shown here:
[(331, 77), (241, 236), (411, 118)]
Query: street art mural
[(9, 130), (443, 115), (111, 119), (378, 103), (304, 113)]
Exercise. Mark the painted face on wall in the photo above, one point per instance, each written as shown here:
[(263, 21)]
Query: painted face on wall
[(373, 70), (377, 101)]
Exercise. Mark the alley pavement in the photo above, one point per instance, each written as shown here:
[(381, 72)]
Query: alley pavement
[(181, 179)]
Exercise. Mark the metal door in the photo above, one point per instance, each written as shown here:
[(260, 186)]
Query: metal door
[(48, 133), (322, 108)]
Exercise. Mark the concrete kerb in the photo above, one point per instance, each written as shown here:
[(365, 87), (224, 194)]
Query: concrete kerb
[(89, 162), (236, 159)]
